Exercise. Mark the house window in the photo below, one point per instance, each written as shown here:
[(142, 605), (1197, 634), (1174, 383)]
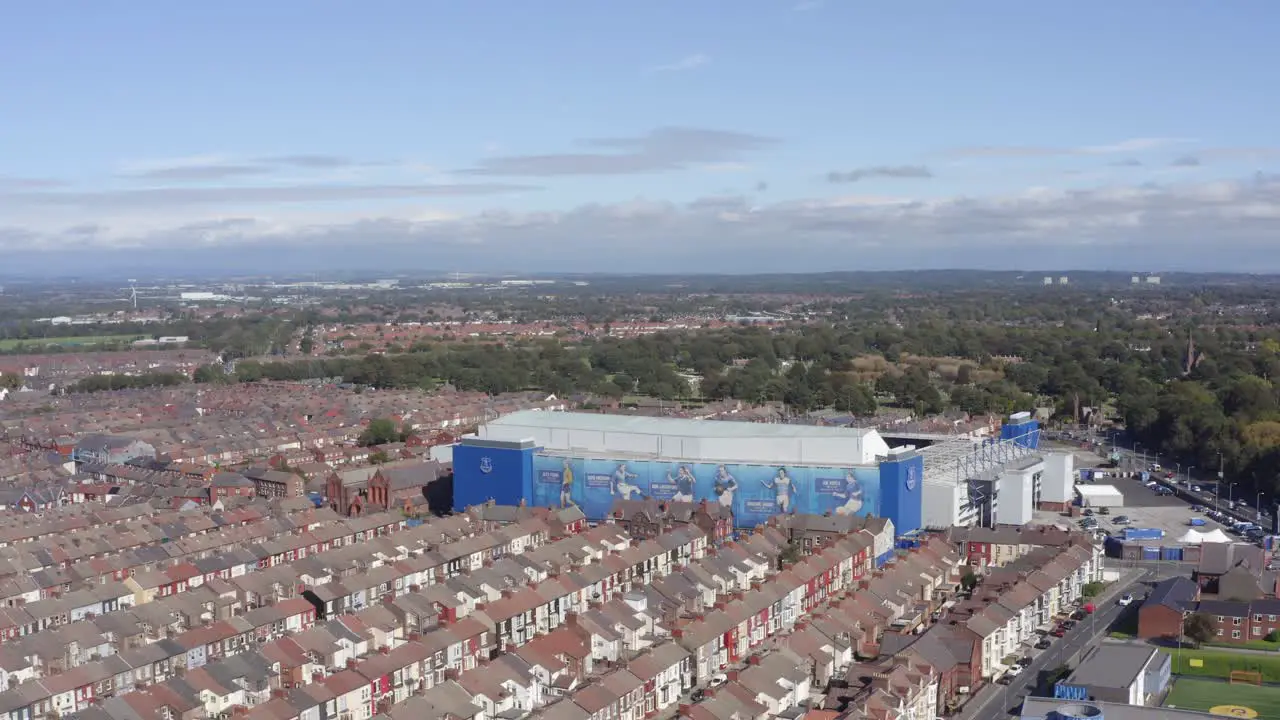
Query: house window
[(1219, 631), (1257, 618), (1235, 634), (1235, 621), (1220, 618), (1257, 630)]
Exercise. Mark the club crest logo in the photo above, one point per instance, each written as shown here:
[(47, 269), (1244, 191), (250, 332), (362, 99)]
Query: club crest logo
[(486, 465), (911, 478)]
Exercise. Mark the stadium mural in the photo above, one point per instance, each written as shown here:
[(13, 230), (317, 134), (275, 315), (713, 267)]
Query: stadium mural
[(754, 492)]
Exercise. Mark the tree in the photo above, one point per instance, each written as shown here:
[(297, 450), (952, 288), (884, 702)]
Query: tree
[(1093, 589), (969, 581), (790, 555), (378, 457), (1198, 628), (379, 431)]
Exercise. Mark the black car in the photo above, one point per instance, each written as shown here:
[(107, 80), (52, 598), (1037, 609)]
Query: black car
[(1068, 624), (1078, 614), (1044, 644)]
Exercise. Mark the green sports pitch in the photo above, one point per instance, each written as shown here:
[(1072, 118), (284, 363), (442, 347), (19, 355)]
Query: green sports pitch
[(1225, 699)]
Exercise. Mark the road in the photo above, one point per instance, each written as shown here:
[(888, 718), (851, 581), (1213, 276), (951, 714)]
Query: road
[(998, 702)]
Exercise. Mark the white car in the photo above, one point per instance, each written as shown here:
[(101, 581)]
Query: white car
[(1125, 600)]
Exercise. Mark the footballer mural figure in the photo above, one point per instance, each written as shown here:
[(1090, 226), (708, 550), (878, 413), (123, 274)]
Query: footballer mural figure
[(621, 485), (781, 487), (684, 481), (566, 485), (852, 494), (726, 486)]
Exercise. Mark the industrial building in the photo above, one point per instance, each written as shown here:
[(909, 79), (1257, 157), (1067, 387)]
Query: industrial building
[(756, 470), (1125, 674)]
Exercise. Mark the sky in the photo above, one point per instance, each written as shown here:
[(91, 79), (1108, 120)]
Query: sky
[(655, 136)]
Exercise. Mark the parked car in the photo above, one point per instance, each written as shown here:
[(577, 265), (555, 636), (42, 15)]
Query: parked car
[(1058, 631), (1125, 600), (1196, 489), (1104, 511), (1044, 644), (1068, 624), (1078, 614), (1087, 512), (1121, 520)]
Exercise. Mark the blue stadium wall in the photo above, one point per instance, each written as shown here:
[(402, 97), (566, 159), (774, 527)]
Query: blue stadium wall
[(1025, 433), (509, 476)]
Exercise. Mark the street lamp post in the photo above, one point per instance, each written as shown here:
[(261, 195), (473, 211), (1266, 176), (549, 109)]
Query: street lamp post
[(1189, 469), (1258, 506)]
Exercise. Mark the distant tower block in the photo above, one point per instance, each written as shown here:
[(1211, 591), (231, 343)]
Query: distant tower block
[(1153, 279), (1048, 281), (1063, 280), (1135, 279)]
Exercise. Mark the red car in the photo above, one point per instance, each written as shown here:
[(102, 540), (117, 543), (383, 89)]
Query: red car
[(1058, 631)]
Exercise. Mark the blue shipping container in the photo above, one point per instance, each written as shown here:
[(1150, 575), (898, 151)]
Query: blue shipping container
[(1143, 533), (1150, 553)]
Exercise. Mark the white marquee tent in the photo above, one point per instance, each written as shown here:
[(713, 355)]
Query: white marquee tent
[(1191, 537), (1100, 495)]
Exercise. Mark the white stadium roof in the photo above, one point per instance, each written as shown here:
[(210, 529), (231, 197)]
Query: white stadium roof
[(693, 440)]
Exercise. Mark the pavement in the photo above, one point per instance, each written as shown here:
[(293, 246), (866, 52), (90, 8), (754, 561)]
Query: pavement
[(999, 702)]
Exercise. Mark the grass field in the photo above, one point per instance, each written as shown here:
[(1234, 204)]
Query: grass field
[(1205, 695), (1220, 663), (37, 343)]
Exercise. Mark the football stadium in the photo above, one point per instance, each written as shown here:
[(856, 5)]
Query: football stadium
[(756, 470)]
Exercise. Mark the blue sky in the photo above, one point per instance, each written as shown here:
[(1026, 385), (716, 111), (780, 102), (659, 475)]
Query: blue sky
[(725, 136)]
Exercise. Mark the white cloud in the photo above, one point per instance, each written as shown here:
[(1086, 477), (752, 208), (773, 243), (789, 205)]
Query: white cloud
[(1167, 225), (688, 62), (1132, 145)]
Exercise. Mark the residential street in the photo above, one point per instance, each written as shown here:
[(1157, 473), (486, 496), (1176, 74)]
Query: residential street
[(998, 702)]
